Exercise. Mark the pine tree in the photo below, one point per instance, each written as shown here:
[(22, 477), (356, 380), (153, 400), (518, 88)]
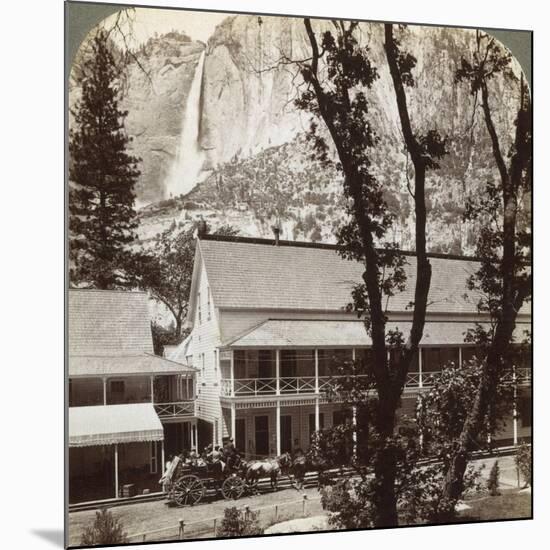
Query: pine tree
[(102, 175)]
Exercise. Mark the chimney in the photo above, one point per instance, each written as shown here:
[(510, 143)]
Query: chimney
[(202, 228), (276, 232)]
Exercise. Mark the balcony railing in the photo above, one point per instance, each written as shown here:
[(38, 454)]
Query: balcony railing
[(175, 410), (303, 385)]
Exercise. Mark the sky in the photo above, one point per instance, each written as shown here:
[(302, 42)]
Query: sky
[(146, 21)]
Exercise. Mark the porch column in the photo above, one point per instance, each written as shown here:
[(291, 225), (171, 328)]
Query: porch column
[(233, 416), (419, 367), (152, 379), (317, 414), (162, 458), (316, 370), (515, 408), (354, 433), (460, 356), (104, 390), (232, 374), (116, 470), (278, 427), (354, 418), (277, 373), (187, 395)]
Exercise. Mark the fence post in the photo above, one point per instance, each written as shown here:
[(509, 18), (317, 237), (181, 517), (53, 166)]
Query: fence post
[(304, 505), (246, 512), (144, 537), (215, 519), (276, 512), (182, 528)]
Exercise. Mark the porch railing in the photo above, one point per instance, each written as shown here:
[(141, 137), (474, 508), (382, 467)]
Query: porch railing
[(301, 385), (175, 410)]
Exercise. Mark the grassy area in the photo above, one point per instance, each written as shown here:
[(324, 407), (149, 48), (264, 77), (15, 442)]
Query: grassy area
[(510, 504)]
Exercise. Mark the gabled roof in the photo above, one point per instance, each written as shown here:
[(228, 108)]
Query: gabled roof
[(254, 274), (109, 323)]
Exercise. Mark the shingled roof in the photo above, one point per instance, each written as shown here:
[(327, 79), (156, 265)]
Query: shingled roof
[(109, 323), (259, 275)]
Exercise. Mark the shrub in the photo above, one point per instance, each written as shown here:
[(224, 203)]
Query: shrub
[(524, 462), (106, 529), (493, 481), (239, 523)]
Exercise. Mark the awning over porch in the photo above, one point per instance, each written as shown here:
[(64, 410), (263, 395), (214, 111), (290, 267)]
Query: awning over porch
[(110, 424), (290, 333)]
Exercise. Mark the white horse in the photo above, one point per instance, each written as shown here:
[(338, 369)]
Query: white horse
[(268, 467)]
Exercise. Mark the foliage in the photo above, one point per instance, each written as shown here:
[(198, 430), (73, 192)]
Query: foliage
[(337, 82), (106, 529), (102, 176), (166, 270), (524, 462), (493, 483), (239, 523), (503, 280)]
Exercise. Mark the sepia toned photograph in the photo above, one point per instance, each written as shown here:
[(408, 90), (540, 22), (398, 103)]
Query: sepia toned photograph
[(299, 284)]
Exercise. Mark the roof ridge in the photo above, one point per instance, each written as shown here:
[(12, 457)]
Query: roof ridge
[(113, 290), (319, 245)]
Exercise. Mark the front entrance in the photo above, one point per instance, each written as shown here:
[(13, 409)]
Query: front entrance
[(240, 435), (177, 438), (286, 434), (261, 433)]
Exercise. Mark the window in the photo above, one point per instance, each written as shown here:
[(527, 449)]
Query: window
[(312, 423), (525, 412), (342, 417), (199, 307), (117, 386), (153, 454)]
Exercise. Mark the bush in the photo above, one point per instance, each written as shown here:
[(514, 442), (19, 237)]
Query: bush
[(239, 523), (524, 462), (106, 529), (493, 481)]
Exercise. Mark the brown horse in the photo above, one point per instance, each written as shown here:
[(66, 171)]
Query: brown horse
[(268, 467), (309, 462)]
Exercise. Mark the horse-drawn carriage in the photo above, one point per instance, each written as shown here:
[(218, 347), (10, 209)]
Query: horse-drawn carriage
[(188, 482)]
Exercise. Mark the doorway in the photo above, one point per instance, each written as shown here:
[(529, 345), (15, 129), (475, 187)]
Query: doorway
[(240, 435), (261, 432), (286, 434)]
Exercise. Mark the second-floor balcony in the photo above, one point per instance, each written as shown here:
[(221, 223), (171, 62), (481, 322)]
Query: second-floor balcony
[(311, 385), (173, 396)]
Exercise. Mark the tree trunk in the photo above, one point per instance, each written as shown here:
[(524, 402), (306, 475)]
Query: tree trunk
[(513, 297)]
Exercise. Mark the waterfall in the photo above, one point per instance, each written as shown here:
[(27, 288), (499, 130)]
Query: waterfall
[(187, 165)]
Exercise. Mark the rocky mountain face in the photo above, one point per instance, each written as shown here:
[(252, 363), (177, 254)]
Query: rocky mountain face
[(250, 165)]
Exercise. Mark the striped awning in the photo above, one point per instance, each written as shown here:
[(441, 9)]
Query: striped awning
[(290, 333), (110, 424)]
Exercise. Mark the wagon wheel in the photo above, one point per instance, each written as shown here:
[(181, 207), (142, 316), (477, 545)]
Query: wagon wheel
[(252, 485), (233, 487), (188, 490)]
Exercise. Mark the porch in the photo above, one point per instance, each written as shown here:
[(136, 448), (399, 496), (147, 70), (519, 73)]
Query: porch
[(172, 395), (280, 372)]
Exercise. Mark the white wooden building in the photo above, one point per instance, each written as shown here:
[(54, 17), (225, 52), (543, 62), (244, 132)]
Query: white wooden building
[(268, 319), (128, 408)]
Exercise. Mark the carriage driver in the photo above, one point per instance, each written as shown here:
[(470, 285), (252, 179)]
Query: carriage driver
[(230, 453)]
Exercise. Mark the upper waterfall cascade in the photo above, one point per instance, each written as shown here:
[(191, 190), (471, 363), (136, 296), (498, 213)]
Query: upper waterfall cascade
[(187, 165)]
